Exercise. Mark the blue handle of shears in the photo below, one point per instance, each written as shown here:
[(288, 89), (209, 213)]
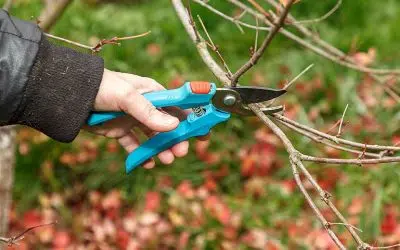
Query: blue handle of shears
[(193, 126), (182, 97)]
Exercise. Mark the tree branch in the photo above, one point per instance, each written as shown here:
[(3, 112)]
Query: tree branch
[(52, 12), (349, 161), (98, 47), (322, 18), (7, 5), (201, 44), (15, 239), (294, 156), (267, 41), (327, 143), (335, 139), (229, 18)]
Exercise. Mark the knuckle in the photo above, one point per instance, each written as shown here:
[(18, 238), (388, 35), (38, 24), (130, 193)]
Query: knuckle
[(126, 95), (149, 111), (153, 84), (127, 91)]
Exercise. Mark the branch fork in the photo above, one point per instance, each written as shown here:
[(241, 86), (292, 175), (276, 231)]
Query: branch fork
[(367, 154)]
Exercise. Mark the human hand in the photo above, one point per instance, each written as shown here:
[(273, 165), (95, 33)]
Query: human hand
[(123, 92)]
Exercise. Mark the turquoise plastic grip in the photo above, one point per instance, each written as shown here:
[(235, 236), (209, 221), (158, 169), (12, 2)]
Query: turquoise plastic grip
[(193, 126), (182, 97)]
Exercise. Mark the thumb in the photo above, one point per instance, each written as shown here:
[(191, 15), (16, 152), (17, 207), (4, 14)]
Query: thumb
[(144, 111)]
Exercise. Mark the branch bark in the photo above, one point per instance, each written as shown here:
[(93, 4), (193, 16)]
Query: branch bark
[(7, 161), (7, 5), (52, 12), (267, 41)]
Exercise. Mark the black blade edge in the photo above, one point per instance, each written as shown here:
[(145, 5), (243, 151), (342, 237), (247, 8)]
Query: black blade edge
[(257, 94)]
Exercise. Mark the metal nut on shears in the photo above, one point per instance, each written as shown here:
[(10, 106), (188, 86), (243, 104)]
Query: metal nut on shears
[(229, 100)]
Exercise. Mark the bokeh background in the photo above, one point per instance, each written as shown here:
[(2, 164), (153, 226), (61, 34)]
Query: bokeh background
[(235, 191)]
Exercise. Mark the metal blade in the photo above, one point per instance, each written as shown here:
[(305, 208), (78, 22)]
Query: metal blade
[(257, 94)]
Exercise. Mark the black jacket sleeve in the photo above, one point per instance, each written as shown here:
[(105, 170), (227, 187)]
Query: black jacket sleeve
[(44, 86)]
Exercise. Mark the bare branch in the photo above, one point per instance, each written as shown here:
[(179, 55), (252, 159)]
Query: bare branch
[(298, 76), (52, 12), (342, 224), (215, 48), (294, 156), (257, 55), (317, 212), (293, 81), (201, 44), (256, 40), (15, 239), (231, 19), (334, 138), (326, 197), (7, 5), (322, 18), (339, 133), (68, 41), (350, 161), (330, 52), (327, 143), (261, 9), (388, 247), (295, 162), (326, 50), (98, 47)]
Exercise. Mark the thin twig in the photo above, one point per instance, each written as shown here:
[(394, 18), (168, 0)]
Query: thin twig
[(326, 197), (115, 41), (317, 212), (339, 133), (350, 161), (322, 18), (332, 53), (215, 48), (257, 55), (234, 20), (295, 161), (98, 47), (325, 50), (333, 127), (332, 145), (15, 239), (335, 139), (256, 40), (292, 82), (132, 37), (364, 153), (342, 224), (191, 20), (68, 41), (298, 76), (259, 8), (201, 45), (387, 247)]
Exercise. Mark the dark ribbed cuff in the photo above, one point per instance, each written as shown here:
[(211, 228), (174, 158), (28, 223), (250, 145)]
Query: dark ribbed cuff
[(60, 92)]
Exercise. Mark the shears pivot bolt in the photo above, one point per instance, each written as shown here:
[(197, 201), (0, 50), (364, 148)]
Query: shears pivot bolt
[(229, 100)]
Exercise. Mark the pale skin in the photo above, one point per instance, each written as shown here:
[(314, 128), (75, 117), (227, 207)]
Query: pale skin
[(123, 92)]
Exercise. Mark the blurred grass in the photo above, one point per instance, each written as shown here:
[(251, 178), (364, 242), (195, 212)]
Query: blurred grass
[(357, 24)]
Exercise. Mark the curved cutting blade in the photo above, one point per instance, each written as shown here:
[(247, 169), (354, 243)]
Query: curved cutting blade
[(257, 94)]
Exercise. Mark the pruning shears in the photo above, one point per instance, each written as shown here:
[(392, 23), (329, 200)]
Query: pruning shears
[(210, 105)]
